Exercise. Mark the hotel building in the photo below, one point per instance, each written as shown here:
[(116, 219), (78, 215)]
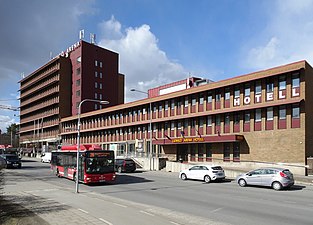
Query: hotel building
[(53, 92), (264, 117)]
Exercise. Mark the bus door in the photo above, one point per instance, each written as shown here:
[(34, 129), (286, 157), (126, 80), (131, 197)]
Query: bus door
[(81, 168)]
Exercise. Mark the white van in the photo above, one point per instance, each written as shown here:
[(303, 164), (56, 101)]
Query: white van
[(46, 157)]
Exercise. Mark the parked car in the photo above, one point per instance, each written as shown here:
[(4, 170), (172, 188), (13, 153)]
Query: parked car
[(207, 173), (12, 160), (125, 165), (46, 157), (277, 178)]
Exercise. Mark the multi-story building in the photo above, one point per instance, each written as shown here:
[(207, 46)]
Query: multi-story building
[(52, 92), (265, 116)]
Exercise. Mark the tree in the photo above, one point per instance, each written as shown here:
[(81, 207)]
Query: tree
[(14, 128)]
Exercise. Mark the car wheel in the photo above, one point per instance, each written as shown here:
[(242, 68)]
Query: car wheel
[(119, 169), (183, 176), (277, 186), (242, 183), (207, 179)]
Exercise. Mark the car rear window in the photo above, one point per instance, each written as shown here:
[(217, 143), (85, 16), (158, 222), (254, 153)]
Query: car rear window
[(217, 168), (129, 161), (287, 172)]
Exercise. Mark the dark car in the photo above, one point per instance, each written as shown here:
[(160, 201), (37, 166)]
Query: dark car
[(125, 165), (12, 160)]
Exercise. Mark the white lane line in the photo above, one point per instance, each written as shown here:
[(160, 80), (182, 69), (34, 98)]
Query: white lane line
[(174, 223), (124, 206), (105, 221), (146, 213), (83, 211), (216, 210)]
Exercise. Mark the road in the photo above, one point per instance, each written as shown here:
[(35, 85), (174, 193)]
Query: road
[(162, 198)]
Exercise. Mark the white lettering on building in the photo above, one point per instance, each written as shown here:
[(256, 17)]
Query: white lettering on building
[(247, 100), (258, 98), (295, 92), (281, 95), (269, 96), (236, 101), (69, 49)]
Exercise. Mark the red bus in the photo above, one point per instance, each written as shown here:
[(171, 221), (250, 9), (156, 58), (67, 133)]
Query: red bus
[(95, 165)]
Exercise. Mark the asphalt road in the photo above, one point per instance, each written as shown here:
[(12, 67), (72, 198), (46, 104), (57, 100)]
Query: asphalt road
[(162, 198)]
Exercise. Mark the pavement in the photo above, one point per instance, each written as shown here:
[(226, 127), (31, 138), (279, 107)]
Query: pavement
[(33, 207)]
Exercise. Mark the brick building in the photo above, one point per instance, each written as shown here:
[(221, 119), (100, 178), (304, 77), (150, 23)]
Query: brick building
[(52, 92), (265, 116)]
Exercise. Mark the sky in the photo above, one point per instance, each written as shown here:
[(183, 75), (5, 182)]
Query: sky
[(158, 41)]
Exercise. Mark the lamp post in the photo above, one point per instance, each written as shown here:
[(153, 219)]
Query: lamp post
[(150, 123), (78, 136)]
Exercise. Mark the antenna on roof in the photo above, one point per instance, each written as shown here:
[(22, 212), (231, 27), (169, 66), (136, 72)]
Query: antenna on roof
[(92, 38), (81, 34), (50, 55), (22, 75)]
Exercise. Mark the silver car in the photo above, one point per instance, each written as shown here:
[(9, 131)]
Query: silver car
[(277, 178)]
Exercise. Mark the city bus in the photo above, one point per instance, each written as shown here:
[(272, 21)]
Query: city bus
[(95, 165)]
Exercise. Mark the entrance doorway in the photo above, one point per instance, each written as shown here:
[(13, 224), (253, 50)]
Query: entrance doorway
[(182, 152)]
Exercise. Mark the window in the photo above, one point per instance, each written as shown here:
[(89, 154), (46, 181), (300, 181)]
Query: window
[(258, 115), (96, 74), (100, 75), (78, 93), (78, 82), (160, 107), (237, 92), (269, 86), (186, 123), (166, 105), (193, 100), (258, 87), (227, 119), (217, 120), (100, 96), (218, 96), (295, 111), (79, 59), (179, 125), (172, 104), (100, 64), (96, 106), (269, 113), (96, 85), (78, 71), (100, 85), (282, 112), (236, 118), (172, 125), (96, 63), (201, 122), (96, 95), (295, 80), (186, 101), (247, 117), (201, 99), (247, 90), (227, 94), (209, 99), (209, 121), (282, 83)]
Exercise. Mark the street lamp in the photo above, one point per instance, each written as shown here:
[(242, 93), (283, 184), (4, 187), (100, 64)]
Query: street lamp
[(78, 135), (150, 123)]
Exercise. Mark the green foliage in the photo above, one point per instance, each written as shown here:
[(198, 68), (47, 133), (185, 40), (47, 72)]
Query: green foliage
[(13, 127)]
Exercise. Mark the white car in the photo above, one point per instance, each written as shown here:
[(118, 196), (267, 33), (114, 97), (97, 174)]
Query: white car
[(207, 173), (46, 157)]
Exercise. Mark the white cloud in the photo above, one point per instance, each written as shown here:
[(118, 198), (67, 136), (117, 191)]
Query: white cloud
[(5, 121), (286, 38), (145, 65)]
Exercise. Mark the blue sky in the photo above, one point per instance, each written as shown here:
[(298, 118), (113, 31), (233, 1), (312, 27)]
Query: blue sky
[(159, 41)]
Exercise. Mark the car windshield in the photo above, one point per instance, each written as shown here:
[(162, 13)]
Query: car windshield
[(99, 165), (12, 157)]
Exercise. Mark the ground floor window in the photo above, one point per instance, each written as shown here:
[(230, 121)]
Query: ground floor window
[(208, 152), (236, 152), (226, 152)]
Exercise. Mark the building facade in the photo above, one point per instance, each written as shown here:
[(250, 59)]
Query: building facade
[(52, 92), (264, 117)]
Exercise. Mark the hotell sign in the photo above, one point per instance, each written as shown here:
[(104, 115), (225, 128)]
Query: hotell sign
[(186, 140), (269, 97)]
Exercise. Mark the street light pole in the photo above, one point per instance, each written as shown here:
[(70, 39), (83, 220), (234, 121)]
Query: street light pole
[(150, 124), (78, 137)]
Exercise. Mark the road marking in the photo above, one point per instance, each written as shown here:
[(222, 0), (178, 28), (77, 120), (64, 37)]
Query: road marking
[(124, 206), (83, 211), (174, 223), (216, 210), (107, 222), (146, 213)]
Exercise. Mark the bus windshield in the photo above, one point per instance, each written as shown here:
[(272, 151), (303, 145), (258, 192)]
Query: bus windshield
[(99, 165)]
